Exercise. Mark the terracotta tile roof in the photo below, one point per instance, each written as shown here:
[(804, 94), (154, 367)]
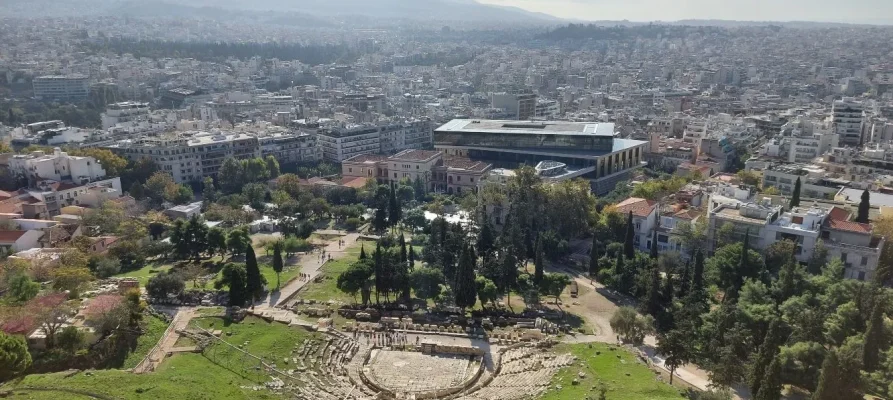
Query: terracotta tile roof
[(19, 326), (466, 164), (9, 237), (839, 213), (848, 226), (639, 206), (355, 183), (414, 155)]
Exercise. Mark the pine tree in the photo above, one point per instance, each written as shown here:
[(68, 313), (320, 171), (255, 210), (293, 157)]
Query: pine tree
[(629, 249), (277, 262), (465, 290), (252, 274), (593, 258), (770, 387), (403, 256), (538, 263), (795, 198), (362, 252), (767, 352), (874, 337), (864, 205)]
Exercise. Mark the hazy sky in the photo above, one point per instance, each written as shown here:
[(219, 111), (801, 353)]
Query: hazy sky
[(853, 11)]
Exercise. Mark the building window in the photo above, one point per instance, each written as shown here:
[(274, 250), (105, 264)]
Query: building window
[(395, 174), (350, 170), (843, 258), (864, 261)]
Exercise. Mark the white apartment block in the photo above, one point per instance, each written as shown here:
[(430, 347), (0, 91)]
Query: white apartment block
[(58, 166), (124, 112), (61, 87), (339, 144), (766, 224), (846, 121), (290, 148), (190, 156)]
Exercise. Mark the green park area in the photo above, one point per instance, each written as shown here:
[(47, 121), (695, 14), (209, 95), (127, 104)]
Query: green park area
[(216, 374), (623, 376)]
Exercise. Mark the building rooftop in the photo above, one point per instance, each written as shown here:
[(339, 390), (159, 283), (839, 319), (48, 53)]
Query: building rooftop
[(366, 158), (465, 164), (529, 127), (10, 236), (414, 155), (848, 226), (640, 207)]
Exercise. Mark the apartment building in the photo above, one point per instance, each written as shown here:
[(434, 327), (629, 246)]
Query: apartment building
[(128, 111), (190, 156), (522, 106), (58, 166), (644, 220), (290, 147), (814, 182), (61, 87), (342, 143), (846, 121)]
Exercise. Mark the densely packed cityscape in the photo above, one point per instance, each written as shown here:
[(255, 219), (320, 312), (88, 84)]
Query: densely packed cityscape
[(476, 208)]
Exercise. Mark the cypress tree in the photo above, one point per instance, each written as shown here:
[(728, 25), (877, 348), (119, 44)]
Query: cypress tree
[(538, 263), (394, 211), (620, 282), (237, 288), (651, 305), (277, 262), (874, 337), (697, 278), (411, 258), (742, 260), (685, 280), (653, 245), (829, 382), (403, 256), (770, 387), (795, 198), (485, 239), (628, 249), (378, 270), (669, 290), (252, 274), (362, 252), (465, 290), (509, 274), (767, 352), (593, 258), (864, 205)]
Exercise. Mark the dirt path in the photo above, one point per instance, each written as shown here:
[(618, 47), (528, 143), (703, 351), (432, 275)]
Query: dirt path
[(597, 304), (167, 341), (309, 264)]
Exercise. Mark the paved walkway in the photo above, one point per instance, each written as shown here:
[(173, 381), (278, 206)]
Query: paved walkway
[(167, 342), (309, 264)]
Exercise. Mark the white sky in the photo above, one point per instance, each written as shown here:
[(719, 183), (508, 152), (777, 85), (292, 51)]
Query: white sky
[(851, 11)]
